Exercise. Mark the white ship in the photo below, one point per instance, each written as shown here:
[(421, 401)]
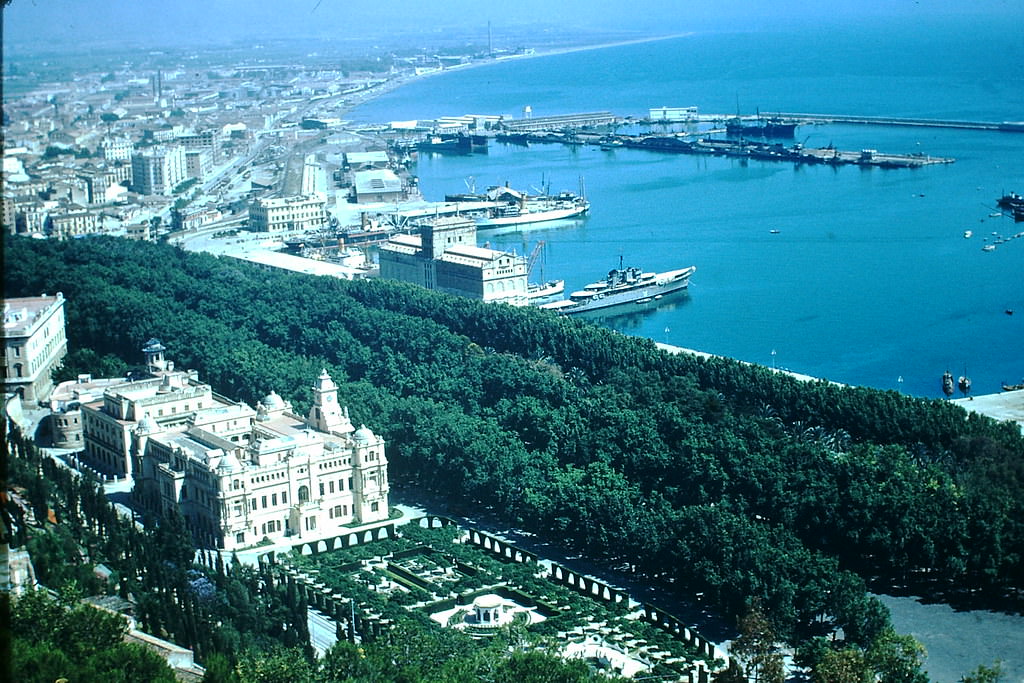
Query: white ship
[(623, 286)]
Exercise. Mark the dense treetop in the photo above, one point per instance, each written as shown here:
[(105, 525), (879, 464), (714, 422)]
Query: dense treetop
[(711, 475)]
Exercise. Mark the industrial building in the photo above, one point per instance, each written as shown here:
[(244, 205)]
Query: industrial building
[(445, 257)]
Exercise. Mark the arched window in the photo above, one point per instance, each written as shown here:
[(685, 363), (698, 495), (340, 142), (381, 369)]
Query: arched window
[(236, 484), (303, 494)]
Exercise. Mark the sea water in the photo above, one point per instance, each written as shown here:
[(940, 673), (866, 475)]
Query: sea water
[(857, 275)]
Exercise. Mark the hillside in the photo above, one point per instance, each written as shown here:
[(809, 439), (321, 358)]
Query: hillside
[(703, 474)]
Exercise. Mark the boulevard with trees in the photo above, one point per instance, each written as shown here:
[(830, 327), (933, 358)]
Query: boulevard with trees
[(699, 475)]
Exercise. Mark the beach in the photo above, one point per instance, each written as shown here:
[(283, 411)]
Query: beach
[(392, 84)]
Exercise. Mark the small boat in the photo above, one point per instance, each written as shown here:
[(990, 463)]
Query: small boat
[(774, 232), (1013, 387), (995, 214), (544, 289), (968, 234), (989, 247), (964, 384), (947, 383)]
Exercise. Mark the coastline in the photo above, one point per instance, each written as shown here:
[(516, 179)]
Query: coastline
[(392, 84)]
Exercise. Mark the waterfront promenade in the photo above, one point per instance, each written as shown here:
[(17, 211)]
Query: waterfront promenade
[(1004, 406)]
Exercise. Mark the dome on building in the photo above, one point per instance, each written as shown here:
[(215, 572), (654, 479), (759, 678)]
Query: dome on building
[(363, 436), (273, 402), (153, 346), (488, 601), (229, 463), (147, 425)]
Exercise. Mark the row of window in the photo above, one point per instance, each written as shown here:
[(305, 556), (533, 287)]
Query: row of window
[(332, 464), (330, 487), (261, 478), (273, 526)]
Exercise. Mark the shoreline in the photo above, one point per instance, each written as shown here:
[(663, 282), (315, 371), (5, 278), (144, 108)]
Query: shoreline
[(390, 85)]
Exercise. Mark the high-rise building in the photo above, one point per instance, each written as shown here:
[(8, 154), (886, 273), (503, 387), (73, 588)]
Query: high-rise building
[(158, 170)]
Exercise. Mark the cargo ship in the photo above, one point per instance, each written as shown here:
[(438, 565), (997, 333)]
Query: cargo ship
[(759, 128), (623, 286), (1014, 203)]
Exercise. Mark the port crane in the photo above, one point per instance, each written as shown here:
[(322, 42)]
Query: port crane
[(535, 257)]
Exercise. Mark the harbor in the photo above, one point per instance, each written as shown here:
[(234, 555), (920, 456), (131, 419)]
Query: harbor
[(745, 137)]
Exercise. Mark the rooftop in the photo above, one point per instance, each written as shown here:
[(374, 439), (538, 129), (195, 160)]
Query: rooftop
[(20, 315)]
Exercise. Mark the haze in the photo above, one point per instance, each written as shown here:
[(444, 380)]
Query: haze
[(149, 23)]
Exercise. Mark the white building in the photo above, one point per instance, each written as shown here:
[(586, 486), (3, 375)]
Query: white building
[(240, 475), (117, 149), (34, 344), (673, 114), (158, 170), (303, 212), (71, 221)]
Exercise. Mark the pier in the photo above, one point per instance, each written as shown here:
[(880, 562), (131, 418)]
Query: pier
[(1003, 126), (568, 121)]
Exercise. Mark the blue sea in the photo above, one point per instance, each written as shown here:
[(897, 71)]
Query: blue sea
[(868, 280)]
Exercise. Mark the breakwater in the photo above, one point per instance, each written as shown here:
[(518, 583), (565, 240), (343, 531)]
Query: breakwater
[(1005, 126)]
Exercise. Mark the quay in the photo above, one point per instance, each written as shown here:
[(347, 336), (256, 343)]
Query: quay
[(1004, 126), (406, 219)]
